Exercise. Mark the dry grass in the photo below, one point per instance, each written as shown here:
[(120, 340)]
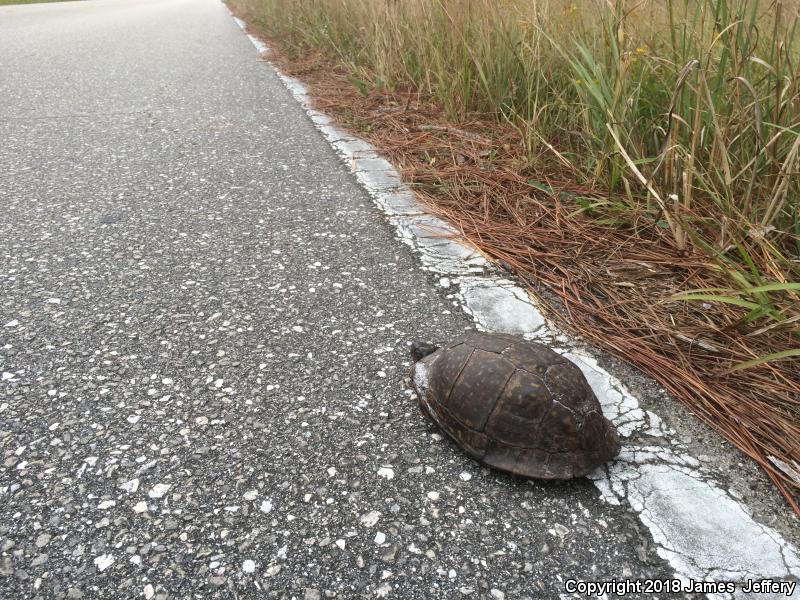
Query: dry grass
[(10, 2), (614, 257)]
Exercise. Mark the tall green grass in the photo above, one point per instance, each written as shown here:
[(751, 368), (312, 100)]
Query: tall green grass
[(687, 111)]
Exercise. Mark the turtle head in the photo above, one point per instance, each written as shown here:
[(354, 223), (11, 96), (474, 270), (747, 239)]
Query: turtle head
[(420, 350)]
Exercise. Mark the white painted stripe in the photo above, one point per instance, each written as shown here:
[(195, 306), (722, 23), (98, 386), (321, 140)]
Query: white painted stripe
[(703, 532), (260, 46)]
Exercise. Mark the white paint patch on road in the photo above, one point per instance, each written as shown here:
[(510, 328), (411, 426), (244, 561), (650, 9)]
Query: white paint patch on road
[(703, 532), (440, 247), (397, 203), (260, 46), (619, 405), (500, 305), (698, 527)]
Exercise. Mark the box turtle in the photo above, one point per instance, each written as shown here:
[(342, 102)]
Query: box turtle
[(514, 405)]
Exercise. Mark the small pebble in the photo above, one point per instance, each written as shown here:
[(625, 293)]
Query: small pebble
[(386, 472), (130, 486), (104, 561), (158, 490)]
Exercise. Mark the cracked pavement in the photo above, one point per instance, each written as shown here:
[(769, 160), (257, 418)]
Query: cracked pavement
[(204, 330)]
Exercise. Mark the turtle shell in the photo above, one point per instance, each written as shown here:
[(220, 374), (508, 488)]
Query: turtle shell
[(516, 406)]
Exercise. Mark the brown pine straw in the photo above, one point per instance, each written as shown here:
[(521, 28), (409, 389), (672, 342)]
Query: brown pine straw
[(609, 284)]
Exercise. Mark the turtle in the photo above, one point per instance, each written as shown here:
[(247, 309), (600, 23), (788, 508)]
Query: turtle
[(514, 405)]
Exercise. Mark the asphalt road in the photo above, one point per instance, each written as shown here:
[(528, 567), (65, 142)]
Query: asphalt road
[(204, 329)]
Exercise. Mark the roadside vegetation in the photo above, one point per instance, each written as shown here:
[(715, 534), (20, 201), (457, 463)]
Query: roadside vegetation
[(9, 2), (637, 158)]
